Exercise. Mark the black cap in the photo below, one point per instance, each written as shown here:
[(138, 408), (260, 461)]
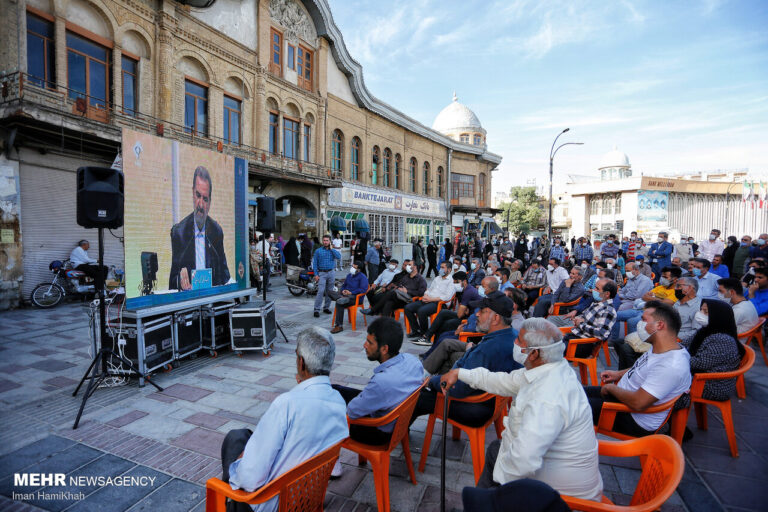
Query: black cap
[(502, 304), (459, 276)]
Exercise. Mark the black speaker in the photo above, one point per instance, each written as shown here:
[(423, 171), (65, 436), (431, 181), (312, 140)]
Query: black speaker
[(265, 214), (99, 197)]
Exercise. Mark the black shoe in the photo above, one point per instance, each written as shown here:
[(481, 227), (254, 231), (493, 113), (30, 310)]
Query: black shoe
[(317, 314), (327, 311), (415, 334), (367, 311), (687, 435)]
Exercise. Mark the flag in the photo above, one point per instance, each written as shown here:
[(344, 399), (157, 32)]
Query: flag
[(755, 193), (763, 194), (746, 191)]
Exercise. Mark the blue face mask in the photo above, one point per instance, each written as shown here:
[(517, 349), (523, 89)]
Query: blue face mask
[(596, 296), (696, 272), (744, 244)]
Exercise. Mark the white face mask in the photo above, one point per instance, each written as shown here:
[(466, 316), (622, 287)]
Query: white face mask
[(352, 271), (518, 355), (489, 270), (455, 266), (712, 237), (701, 319), (498, 278), (481, 291), (660, 240), (474, 266), (584, 265), (550, 268), (610, 265), (724, 298), (642, 332), (392, 267), (409, 268), (458, 287)]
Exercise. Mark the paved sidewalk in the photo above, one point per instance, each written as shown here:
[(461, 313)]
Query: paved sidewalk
[(175, 436)]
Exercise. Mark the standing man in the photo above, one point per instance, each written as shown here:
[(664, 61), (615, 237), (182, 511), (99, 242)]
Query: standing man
[(684, 251), (197, 242), (557, 250), (632, 246), (372, 259), (761, 247), (660, 254), (741, 257), (719, 268), (89, 266), (712, 247), (609, 249), (431, 258), (324, 263), (583, 251)]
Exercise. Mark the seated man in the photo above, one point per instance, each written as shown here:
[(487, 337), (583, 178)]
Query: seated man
[(515, 275), (687, 305), (404, 287), (533, 280), (354, 284), (659, 375), (297, 425), (555, 275), (614, 271), (678, 263), (707, 280), (387, 280), (718, 267), (645, 269), (518, 297), (448, 320), (441, 289), (503, 276), (569, 290), (596, 321), (637, 286), (397, 376), (494, 352), (81, 261), (476, 273), (758, 291), (458, 265), (549, 435), (744, 312)]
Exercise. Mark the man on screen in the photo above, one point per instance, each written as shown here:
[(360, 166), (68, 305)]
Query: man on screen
[(197, 242)]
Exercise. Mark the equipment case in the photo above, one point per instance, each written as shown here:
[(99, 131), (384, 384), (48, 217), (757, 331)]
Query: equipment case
[(157, 336), (216, 326), (187, 333), (252, 326)]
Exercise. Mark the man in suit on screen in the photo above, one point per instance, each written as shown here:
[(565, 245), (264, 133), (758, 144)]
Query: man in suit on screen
[(197, 242)]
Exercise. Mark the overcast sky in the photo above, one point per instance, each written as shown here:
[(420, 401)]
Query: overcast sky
[(679, 86)]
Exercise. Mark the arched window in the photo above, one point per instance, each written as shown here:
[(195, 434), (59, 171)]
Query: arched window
[(375, 159), (398, 166), (412, 176), (478, 139), (426, 187), (337, 152), (387, 167), (481, 195), (464, 137), (355, 160), (440, 182)]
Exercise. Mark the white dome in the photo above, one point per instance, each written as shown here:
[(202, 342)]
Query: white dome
[(457, 117), (614, 158)]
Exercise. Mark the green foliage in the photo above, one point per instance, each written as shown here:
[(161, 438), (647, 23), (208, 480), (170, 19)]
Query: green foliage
[(522, 211)]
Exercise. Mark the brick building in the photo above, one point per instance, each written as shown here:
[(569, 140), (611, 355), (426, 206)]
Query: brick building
[(270, 81)]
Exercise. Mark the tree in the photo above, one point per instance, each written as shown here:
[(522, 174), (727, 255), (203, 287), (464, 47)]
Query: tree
[(522, 211)]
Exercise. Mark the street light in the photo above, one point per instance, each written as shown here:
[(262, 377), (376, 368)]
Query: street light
[(552, 153)]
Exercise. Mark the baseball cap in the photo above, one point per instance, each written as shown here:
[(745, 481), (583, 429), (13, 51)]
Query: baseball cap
[(639, 257), (500, 304)]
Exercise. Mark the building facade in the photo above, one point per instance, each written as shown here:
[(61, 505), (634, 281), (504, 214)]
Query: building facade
[(270, 81)]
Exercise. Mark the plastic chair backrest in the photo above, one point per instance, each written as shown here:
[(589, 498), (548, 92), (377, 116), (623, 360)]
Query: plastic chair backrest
[(746, 336), (699, 379)]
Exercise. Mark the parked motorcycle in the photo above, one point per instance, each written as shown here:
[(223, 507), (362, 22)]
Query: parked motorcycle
[(66, 281), (300, 280)]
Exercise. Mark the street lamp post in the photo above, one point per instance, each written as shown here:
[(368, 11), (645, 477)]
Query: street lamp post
[(552, 153)]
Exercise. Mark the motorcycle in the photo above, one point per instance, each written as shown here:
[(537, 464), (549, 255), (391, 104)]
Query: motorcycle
[(66, 281), (299, 280)]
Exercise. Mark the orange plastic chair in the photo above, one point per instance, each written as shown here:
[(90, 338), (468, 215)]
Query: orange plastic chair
[(465, 336), (755, 333), (352, 312), (606, 350), (476, 434), (379, 455), (662, 465), (608, 412), (541, 292), (440, 305), (557, 305), (300, 489), (700, 404), (401, 311), (585, 364)]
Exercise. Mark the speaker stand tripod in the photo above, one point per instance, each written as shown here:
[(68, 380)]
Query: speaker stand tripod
[(98, 370), (266, 277)]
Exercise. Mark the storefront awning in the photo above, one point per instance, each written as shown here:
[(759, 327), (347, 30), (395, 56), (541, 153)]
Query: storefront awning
[(362, 225), (338, 223), (492, 229)]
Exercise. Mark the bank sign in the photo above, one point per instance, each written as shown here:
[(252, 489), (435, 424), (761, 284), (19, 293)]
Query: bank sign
[(359, 197)]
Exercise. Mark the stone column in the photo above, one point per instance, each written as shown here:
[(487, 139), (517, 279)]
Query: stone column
[(117, 79), (167, 25), (60, 47), (260, 116), (215, 111)]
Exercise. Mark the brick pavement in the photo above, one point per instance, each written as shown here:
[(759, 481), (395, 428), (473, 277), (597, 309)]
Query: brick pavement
[(175, 435)]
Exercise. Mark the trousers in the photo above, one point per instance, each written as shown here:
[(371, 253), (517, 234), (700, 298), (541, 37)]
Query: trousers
[(231, 448), (443, 357), (418, 314), (624, 423), (342, 303), (324, 286), (444, 321), (387, 303), (360, 433)]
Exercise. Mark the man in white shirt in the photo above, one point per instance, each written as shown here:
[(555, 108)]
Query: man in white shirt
[(555, 275), (84, 263), (708, 249), (744, 312), (441, 289), (549, 434), (658, 376)]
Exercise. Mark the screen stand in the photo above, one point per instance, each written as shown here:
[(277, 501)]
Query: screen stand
[(266, 277)]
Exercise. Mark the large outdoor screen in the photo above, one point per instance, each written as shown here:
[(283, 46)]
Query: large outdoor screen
[(185, 221)]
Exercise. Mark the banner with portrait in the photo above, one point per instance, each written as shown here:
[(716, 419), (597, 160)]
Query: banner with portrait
[(185, 221), (652, 205)]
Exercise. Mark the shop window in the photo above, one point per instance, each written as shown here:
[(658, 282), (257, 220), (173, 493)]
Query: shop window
[(290, 138), (232, 113), (130, 69), (40, 54), (274, 132), (355, 159), (195, 108)]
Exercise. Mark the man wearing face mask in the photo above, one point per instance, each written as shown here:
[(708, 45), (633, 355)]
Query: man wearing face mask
[(533, 280), (645, 269), (372, 259), (632, 246), (707, 281), (383, 282), (659, 375), (441, 289), (458, 265), (712, 247), (609, 249), (403, 288), (596, 321), (557, 250), (741, 257), (687, 305), (549, 435), (583, 251), (660, 253), (448, 320), (494, 352), (476, 273), (355, 283), (555, 275), (637, 286), (568, 291), (683, 250), (760, 250), (502, 275)]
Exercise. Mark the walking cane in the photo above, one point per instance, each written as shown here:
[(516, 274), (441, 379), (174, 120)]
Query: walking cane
[(442, 452)]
